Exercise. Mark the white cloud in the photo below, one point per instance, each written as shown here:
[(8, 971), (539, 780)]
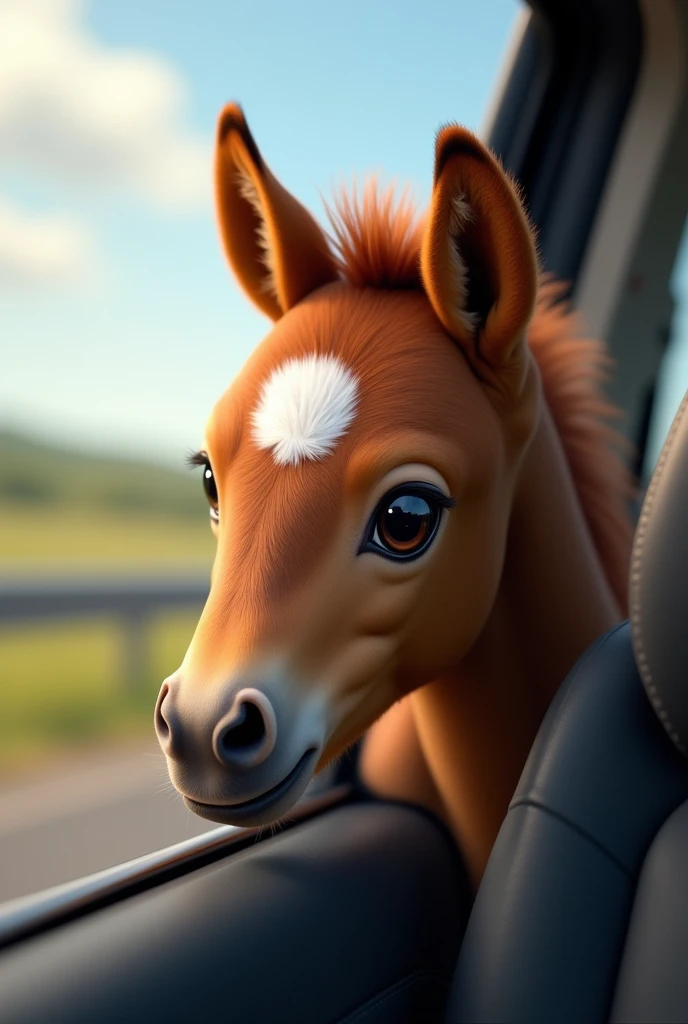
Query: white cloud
[(44, 250), (72, 109)]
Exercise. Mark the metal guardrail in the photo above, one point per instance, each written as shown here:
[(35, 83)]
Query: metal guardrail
[(30, 599), (132, 601)]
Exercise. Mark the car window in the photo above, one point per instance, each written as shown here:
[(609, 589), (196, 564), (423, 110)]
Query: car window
[(121, 327), (672, 380)]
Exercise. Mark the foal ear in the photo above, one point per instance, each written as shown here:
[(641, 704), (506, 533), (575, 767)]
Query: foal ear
[(273, 244), (478, 259)]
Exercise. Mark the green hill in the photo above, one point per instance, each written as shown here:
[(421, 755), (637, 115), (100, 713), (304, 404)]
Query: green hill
[(35, 475)]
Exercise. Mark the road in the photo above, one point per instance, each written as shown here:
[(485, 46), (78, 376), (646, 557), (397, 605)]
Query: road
[(88, 815)]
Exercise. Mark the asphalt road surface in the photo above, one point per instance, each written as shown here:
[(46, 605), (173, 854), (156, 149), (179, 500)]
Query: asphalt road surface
[(87, 815)]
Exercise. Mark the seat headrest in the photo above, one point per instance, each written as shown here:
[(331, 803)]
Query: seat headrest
[(659, 584)]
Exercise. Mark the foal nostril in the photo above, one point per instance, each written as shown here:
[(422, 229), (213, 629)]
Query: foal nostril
[(246, 731), (163, 721), (247, 735)]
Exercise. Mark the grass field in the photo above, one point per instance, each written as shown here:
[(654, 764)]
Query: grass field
[(63, 686), (35, 538)]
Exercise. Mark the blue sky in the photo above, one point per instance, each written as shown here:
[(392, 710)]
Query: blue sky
[(120, 322)]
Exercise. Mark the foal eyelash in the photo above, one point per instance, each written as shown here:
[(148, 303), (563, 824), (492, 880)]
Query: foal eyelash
[(438, 497), (194, 459)]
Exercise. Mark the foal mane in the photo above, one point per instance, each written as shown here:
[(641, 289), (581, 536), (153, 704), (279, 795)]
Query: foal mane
[(376, 238)]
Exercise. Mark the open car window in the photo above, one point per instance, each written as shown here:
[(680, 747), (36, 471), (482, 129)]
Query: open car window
[(122, 327)]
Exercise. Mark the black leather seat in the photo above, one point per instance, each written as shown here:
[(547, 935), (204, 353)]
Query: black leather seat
[(582, 914)]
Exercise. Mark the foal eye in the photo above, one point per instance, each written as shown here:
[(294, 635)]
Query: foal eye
[(405, 522), (403, 525), (210, 488)]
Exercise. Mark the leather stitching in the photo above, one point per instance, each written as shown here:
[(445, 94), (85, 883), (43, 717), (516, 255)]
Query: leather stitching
[(636, 580)]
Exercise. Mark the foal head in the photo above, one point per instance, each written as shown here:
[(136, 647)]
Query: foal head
[(359, 470)]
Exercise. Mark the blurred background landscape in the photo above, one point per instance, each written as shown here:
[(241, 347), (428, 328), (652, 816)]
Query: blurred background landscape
[(65, 513), (82, 781)]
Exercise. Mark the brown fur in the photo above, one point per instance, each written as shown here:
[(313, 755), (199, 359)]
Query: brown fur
[(378, 245)]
